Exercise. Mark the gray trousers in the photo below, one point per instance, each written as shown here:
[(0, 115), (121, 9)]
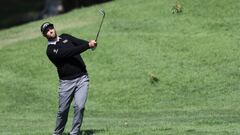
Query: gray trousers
[(76, 89)]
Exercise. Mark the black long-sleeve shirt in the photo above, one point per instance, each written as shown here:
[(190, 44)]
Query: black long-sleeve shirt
[(65, 55)]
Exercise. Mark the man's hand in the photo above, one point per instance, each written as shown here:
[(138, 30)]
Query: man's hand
[(92, 44)]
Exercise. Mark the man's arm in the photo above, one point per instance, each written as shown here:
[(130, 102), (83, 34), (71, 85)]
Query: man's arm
[(71, 51), (74, 40)]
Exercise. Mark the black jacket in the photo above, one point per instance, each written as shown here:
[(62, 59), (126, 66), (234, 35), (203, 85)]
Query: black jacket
[(65, 55)]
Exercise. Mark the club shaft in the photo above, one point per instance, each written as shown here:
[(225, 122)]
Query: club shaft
[(100, 28)]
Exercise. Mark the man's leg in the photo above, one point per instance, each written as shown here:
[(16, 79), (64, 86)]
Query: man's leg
[(80, 98), (66, 93)]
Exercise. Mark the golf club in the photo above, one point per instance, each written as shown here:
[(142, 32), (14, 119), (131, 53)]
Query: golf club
[(102, 12)]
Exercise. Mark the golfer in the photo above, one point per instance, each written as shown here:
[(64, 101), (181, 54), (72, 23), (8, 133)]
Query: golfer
[(64, 52)]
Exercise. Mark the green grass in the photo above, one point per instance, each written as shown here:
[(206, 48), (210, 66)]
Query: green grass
[(195, 55)]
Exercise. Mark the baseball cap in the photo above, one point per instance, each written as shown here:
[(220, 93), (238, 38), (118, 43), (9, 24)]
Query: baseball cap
[(45, 26)]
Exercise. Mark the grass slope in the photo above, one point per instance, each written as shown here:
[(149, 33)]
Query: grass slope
[(195, 55)]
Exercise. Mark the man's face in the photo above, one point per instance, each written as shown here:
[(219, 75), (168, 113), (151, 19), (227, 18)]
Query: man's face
[(50, 33)]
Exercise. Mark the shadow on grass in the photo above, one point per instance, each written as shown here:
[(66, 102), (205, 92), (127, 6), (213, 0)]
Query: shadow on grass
[(88, 132)]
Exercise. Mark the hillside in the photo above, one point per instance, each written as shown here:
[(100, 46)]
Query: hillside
[(193, 54)]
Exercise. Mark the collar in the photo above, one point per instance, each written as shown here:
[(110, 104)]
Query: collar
[(54, 42)]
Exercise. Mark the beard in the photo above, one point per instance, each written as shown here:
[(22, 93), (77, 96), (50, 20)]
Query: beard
[(52, 36)]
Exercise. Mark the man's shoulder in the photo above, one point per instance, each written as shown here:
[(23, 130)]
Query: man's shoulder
[(65, 35), (49, 49)]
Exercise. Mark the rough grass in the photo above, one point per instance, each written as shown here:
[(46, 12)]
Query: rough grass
[(194, 54)]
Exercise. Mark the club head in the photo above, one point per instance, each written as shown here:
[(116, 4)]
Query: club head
[(102, 12)]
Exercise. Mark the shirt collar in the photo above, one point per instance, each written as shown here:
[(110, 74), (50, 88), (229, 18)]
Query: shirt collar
[(54, 42)]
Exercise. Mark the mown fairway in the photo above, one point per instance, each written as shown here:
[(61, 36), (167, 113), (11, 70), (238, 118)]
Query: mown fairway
[(195, 55)]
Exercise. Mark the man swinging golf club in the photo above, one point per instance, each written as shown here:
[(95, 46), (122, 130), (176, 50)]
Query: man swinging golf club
[(64, 52)]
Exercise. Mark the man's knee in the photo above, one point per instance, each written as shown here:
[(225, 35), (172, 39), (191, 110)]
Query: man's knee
[(79, 107), (63, 110)]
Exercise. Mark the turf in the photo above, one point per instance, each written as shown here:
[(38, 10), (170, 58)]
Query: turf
[(195, 56)]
